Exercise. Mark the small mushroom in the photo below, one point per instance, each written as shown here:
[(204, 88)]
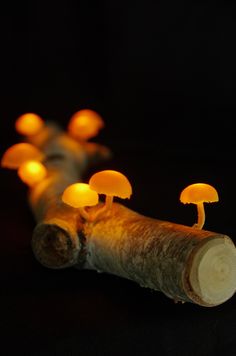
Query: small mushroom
[(32, 172), (85, 124), (29, 124), (80, 195), (19, 153), (199, 193), (112, 184)]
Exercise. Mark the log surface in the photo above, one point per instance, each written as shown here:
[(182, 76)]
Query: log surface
[(156, 254), (160, 255)]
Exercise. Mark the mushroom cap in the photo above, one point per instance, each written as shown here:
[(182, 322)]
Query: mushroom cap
[(29, 124), (32, 172), (199, 193), (79, 195), (85, 124), (111, 183), (19, 153)]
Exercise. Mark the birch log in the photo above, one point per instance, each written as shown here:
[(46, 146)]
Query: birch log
[(184, 263)]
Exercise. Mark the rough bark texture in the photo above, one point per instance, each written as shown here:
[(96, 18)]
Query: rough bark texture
[(156, 254), (56, 242)]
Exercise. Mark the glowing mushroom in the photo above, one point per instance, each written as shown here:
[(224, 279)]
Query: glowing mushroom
[(85, 124), (32, 172), (112, 184), (80, 195), (199, 193), (29, 124), (19, 153)]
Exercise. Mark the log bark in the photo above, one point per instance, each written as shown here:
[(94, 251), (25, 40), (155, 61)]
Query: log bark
[(186, 264), (56, 239), (163, 256)]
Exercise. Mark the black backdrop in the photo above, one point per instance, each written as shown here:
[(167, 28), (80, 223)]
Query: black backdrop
[(161, 74)]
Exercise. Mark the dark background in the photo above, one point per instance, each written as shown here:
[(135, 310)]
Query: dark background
[(161, 74)]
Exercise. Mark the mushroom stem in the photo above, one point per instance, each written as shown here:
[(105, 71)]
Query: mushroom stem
[(201, 216), (103, 209), (84, 214), (108, 201)]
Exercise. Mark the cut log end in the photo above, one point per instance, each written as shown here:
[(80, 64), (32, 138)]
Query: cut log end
[(212, 275), (186, 264), (55, 245)]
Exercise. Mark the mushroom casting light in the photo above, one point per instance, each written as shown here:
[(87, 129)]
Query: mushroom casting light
[(112, 184), (199, 193), (80, 195), (85, 124), (29, 124), (186, 264), (32, 172), (19, 153)]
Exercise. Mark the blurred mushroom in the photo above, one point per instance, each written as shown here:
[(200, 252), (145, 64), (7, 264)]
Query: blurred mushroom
[(199, 193), (29, 124), (112, 184), (32, 172), (80, 195), (85, 124), (19, 153)]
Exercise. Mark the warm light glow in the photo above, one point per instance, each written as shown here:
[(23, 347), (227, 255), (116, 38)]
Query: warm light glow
[(29, 124), (32, 172), (111, 183), (85, 124), (199, 192), (20, 153), (79, 195)]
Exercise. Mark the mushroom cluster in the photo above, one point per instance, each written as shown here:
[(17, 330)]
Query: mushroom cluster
[(19, 153), (83, 125), (109, 183), (27, 159)]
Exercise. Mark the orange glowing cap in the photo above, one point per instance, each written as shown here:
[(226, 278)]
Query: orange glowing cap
[(19, 153), (32, 172), (111, 183), (85, 124), (79, 195), (29, 124), (199, 193)]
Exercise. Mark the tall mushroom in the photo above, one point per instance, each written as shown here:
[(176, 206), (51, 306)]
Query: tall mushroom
[(80, 195), (199, 193), (112, 184)]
